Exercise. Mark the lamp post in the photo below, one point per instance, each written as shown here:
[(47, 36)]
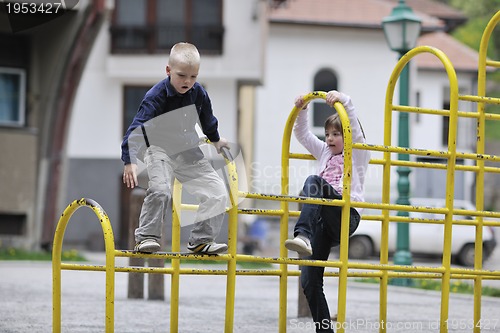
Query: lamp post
[(401, 29)]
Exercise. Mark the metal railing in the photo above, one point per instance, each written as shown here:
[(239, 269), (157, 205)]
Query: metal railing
[(344, 268)]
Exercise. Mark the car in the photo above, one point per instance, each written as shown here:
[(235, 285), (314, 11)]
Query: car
[(425, 238)]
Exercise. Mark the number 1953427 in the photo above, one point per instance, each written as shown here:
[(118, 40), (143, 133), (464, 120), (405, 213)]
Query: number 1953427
[(33, 8)]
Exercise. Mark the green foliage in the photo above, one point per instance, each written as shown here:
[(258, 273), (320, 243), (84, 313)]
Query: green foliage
[(19, 254), (479, 13), (476, 7), (470, 34), (493, 126)]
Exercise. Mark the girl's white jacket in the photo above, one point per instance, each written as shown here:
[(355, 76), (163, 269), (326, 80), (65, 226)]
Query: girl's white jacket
[(319, 149)]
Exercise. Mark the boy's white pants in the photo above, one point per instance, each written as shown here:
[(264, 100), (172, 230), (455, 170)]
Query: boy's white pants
[(198, 178)]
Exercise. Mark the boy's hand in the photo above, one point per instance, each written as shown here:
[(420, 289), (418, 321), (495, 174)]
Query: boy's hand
[(299, 103), (130, 175), (221, 143), (334, 96)]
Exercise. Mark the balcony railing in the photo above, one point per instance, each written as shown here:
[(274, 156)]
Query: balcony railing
[(127, 39)]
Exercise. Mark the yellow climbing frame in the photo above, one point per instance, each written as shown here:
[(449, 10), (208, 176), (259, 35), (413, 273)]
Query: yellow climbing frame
[(344, 268)]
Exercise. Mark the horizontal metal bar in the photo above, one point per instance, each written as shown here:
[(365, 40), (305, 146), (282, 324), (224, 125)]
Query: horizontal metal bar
[(288, 198), (480, 99)]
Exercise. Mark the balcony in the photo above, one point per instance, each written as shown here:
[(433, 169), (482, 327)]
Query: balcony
[(154, 39)]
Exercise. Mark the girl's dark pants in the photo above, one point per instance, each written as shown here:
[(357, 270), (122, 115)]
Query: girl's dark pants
[(321, 224)]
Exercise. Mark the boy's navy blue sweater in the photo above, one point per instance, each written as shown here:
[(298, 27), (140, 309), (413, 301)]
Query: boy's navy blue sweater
[(156, 124)]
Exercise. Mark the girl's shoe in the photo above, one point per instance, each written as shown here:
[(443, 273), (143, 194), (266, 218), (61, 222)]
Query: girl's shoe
[(300, 244)]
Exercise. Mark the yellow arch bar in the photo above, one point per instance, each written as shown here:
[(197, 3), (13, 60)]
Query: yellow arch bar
[(109, 245), (346, 269)]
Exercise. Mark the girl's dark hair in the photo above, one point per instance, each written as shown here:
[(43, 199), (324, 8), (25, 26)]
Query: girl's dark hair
[(333, 121)]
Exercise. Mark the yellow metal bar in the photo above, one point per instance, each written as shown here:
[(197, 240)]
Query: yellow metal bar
[(400, 150), (481, 99), (176, 247), (386, 181), (480, 149), (375, 270), (110, 261), (232, 245), (342, 267), (284, 199), (288, 198), (450, 192), (464, 114), (438, 112), (171, 255), (450, 155), (434, 165), (493, 63), (267, 212), (283, 278), (344, 230), (479, 156), (298, 156)]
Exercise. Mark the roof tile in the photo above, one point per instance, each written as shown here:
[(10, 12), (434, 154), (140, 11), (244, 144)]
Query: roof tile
[(361, 13)]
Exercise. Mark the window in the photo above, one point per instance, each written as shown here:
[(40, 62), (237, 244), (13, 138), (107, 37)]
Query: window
[(12, 96), (466, 127), (154, 26), (132, 96), (445, 125), (12, 224), (417, 100), (324, 80)]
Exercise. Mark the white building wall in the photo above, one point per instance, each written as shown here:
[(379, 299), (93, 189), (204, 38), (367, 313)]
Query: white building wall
[(92, 162), (434, 89), (427, 132), (95, 129), (362, 63), (96, 124)]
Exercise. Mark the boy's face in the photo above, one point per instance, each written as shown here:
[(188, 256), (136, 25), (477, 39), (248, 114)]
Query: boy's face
[(182, 76), (334, 140)]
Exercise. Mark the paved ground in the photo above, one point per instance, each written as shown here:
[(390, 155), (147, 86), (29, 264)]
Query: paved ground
[(26, 305)]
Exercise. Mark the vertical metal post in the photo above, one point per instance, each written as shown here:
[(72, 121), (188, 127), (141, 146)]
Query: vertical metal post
[(403, 255), (176, 246)]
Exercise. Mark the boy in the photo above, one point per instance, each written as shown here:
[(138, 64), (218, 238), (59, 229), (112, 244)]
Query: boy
[(318, 227), (163, 134)]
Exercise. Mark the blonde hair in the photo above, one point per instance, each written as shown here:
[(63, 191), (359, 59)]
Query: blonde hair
[(184, 53)]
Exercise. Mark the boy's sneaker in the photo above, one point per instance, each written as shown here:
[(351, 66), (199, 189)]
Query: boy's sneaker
[(207, 248), (147, 246), (300, 244)]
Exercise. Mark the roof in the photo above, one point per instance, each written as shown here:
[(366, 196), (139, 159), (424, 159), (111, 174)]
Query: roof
[(352, 13), (369, 14), (451, 16), (433, 8), (463, 57)]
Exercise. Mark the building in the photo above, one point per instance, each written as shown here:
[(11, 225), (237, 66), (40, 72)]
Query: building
[(129, 56), (87, 72), (43, 55), (341, 45)]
